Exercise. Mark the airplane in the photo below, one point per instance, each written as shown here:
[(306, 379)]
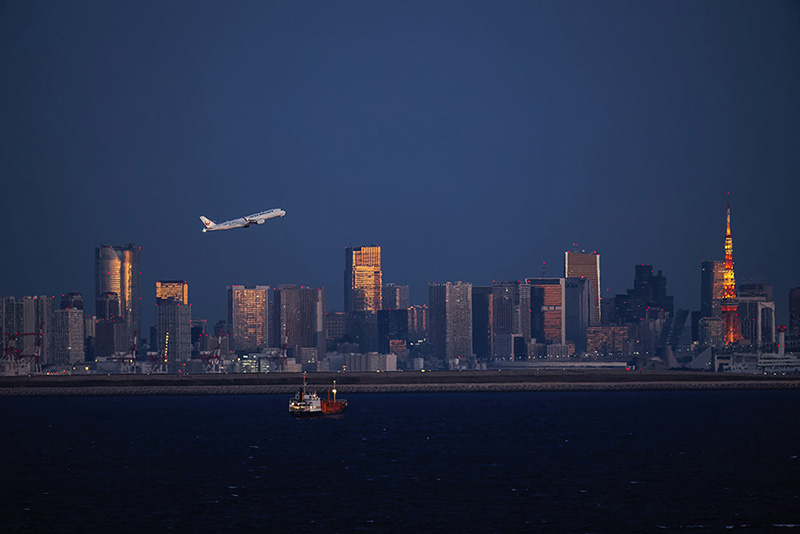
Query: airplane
[(242, 222)]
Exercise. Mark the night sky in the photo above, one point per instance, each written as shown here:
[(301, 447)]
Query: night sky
[(471, 140)]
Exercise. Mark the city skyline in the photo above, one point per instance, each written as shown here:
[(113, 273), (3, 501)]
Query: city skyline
[(472, 154)]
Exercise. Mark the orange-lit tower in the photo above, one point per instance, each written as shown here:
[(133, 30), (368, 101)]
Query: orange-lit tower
[(729, 304)]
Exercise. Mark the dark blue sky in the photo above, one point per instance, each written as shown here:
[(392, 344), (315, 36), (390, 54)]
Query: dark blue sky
[(471, 140)]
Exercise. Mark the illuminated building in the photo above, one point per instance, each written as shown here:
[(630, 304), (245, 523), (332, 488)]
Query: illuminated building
[(548, 316), (176, 289), (607, 339), (395, 297), (248, 317), (511, 316), (450, 309), (729, 306), (117, 270), (586, 265), (712, 273), (482, 322), (363, 279)]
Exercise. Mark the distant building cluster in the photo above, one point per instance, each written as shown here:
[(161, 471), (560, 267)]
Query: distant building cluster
[(512, 323)]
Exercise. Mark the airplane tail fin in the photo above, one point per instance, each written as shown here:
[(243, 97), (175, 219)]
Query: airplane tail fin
[(208, 223)]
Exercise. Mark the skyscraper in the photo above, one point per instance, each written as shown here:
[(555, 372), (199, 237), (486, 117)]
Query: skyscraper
[(117, 270), (586, 265), (174, 331), (712, 274), (548, 314), (248, 317), (482, 322), (395, 297), (511, 316), (392, 330), (729, 305), (418, 322), (649, 292), (68, 337), (794, 313), (72, 300), (177, 289), (577, 310), (300, 326), (450, 306), (363, 279)]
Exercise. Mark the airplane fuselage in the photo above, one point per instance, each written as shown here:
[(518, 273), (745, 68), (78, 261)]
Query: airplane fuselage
[(242, 222)]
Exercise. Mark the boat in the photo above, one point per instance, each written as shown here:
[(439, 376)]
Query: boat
[(305, 404)]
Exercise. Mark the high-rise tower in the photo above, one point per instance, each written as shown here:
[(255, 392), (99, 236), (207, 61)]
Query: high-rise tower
[(363, 279), (248, 317), (450, 319), (117, 270), (586, 265), (729, 304)]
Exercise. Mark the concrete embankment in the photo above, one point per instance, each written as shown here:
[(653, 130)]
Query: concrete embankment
[(189, 389)]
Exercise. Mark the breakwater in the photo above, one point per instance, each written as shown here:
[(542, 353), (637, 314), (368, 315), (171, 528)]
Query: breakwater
[(442, 382)]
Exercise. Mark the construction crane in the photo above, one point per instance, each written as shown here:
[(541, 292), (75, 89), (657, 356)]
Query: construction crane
[(159, 362), (213, 363), (16, 361)]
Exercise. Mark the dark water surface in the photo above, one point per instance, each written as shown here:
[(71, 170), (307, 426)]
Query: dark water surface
[(468, 462)]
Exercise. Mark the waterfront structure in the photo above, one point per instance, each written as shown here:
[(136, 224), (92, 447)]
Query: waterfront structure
[(586, 265), (482, 322), (394, 297), (794, 313), (117, 270), (68, 337), (176, 289), (729, 306), (511, 319), (548, 315), (363, 279), (712, 273), (174, 331), (450, 308), (248, 317)]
